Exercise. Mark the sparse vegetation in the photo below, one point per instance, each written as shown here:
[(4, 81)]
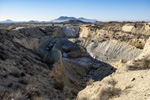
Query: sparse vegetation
[(109, 22), (145, 63), (111, 91), (11, 27), (59, 85), (140, 64), (32, 92), (4, 95), (89, 82)]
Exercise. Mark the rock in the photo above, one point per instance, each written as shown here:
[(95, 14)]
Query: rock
[(127, 28), (71, 31), (132, 79), (77, 54), (22, 81)]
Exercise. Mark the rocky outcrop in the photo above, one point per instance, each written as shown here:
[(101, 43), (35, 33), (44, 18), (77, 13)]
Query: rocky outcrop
[(137, 28), (127, 28), (110, 43), (130, 33), (71, 31)]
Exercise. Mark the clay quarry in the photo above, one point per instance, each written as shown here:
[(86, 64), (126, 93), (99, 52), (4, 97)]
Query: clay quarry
[(100, 61)]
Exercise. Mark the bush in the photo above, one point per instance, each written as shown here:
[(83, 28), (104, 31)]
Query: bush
[(11, 27), (59, 85), (140, 64), (89, 82), (109, 22), (11, 96), (145, 63), (32, 92), (111, 91)]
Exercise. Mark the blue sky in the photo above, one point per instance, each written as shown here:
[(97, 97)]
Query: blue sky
[(103, 10)]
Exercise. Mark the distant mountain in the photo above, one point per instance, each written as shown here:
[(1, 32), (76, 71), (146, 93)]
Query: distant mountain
[(33, 21), (10, 21), (7, 21), (87, 20), (65, 18), (74, 22)]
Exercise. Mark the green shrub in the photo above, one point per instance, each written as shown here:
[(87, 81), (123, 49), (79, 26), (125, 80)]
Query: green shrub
[(140, 64), (145, 63)]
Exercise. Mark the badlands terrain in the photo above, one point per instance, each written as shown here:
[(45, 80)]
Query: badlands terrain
[(102, 61)]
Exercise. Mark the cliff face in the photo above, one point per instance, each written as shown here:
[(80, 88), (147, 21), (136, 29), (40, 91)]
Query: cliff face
[(112, 51), (112, 42)]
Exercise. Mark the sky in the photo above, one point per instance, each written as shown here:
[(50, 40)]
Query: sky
[(102, 10)]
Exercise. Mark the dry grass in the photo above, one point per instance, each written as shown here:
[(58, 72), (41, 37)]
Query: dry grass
[(4, 95), (145, 63), (59, 85), (32, 92), (140, 64), (37, 98), (111, 91), (11, 27), (11, 96), (17, 96), (89, 82)]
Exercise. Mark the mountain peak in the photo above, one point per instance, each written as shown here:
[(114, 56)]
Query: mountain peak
[(65, 18), (8, 20)]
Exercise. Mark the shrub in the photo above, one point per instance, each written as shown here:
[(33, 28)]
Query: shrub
[(111, 91), (89, 82), (37, 98), (11, 27), (17, 96), (145, 63), (32, 92), (140, 64), (112, 82), (3, 94), (109, 22), (59, 85), (11, 96)]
